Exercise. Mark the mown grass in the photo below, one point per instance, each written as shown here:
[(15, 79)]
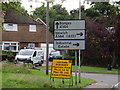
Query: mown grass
[(19, 76), (15, 68), (99, 70), (23, 81), (0, 75), (90, 69)]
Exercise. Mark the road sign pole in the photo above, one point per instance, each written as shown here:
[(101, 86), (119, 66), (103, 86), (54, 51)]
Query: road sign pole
[(79, 68), (63, 54), (76, 67), (79, 9)]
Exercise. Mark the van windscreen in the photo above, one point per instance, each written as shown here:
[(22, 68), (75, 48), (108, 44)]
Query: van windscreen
[(25, 52)]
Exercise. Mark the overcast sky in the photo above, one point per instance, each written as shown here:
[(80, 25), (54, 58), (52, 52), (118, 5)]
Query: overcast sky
[(68, 4)]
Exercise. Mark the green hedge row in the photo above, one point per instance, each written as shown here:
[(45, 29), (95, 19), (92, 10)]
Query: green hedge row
[(98, 61)]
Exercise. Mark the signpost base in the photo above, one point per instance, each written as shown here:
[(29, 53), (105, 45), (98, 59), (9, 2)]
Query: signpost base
[(76, 67)]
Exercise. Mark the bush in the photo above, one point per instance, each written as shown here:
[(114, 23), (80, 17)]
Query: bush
[(11, 58), (59, 57), (3, 57), (96, 61), (8, 55)]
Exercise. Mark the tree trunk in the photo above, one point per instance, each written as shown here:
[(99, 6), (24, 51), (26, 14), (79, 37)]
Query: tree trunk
[(113, 60)]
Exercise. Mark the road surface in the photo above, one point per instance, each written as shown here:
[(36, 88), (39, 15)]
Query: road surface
[(110, 79)]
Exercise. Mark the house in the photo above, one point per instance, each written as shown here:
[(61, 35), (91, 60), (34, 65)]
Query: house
[(23, 31)]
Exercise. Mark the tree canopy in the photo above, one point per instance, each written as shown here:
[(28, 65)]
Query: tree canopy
[(56, 12), (16, 6)]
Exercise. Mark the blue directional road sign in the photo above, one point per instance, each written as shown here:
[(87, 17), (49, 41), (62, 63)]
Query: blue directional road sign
[(70, 24), (69, 34), (69, 44)]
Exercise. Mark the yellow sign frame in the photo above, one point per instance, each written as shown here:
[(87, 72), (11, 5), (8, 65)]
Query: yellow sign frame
[(61, 69)]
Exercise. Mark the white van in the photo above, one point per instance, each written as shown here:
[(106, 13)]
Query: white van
[(54, 54), (31, 56)]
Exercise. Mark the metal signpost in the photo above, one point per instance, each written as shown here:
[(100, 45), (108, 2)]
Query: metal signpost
[(70, 35), (79, 50)]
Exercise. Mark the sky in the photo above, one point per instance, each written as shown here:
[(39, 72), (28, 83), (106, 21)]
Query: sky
[(68, 4)]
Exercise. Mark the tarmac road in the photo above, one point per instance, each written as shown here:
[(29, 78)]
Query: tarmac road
[(110, 79)]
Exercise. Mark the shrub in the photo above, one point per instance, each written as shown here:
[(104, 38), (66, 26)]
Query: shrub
[(3, 57), (96, 61), (8, 55)]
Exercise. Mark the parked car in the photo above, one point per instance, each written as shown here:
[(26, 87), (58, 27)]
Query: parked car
[(30, 56), (54, 55)]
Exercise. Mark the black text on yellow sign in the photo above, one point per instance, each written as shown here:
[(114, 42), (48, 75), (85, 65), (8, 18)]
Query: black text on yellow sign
[(61, 68)]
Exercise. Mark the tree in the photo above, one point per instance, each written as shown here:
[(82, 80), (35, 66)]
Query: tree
[(74, 14), (40, 12), (61, 12), (57, 12), (100, 40), (105, 13), (16, 6), (117, 34), (92, 13)]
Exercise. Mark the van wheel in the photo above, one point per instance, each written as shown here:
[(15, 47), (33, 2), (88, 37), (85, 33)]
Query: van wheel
[(32, 62), (15, 61), (40, 64)]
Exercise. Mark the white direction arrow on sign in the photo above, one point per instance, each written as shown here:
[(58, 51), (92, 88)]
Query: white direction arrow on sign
[(69, 34), (70, 24), (69, 44)]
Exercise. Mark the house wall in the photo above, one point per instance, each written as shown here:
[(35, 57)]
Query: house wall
[(23, 36), (24, 44)]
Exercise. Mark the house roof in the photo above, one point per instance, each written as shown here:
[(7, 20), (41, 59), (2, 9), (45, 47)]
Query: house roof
[(23, 35), (12, 17)]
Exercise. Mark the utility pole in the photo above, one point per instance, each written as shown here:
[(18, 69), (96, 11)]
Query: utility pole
[(79, 50), (47, 34)]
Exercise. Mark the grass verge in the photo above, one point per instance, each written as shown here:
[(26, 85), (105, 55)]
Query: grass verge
[(19, 76), (99, 70), (0, 75)]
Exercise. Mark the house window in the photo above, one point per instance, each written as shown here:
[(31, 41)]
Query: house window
[(31, 45), (13, 46), (32, 28), (10, 46), (6, 46), (0, 45), (10, 27)]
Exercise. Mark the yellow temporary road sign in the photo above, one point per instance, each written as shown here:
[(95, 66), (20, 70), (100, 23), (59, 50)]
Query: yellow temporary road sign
[(61, 68)]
